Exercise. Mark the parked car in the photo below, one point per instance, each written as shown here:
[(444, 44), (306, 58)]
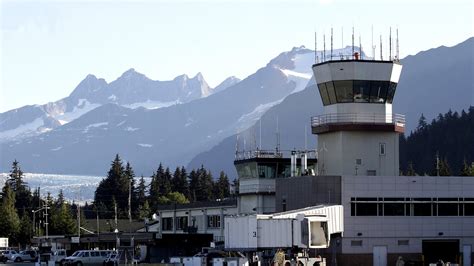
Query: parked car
[(82, 257), (26, 255), (9, 254), (59, 256)]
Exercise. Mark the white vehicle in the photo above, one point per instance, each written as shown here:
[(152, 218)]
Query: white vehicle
[(83, 257), (9, 254), (27, 255), (59, 256)]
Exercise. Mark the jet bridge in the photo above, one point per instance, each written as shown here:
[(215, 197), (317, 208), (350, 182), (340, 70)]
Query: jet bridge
[(303, 228)]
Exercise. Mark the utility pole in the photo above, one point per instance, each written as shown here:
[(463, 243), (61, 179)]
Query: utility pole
[(46, 214), (130, 205), (116, 222), (78, 220)]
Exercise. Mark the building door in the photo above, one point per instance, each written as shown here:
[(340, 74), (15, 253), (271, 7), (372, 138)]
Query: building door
[(380, 255), (466, 254), (446, 250)]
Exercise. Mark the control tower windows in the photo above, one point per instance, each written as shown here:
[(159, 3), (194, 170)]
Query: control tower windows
[(344, 91), (324, 94), (267, 170), (361, 91), (378, 91), (391, 92), (331, 92)]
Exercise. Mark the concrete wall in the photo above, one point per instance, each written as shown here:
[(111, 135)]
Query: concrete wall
[(338, 152)]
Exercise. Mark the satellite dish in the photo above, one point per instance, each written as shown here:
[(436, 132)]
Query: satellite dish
[(155, 217)]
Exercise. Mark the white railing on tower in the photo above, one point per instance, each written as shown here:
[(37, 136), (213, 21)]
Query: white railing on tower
[(358, 118)]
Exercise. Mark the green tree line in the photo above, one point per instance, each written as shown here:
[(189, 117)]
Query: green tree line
[(443, 147), (23, 212)]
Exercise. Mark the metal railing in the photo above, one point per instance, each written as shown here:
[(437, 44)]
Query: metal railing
[(358, 118)]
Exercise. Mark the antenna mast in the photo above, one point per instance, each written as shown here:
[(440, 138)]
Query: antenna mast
[(324, 47), (331, 42), (315, 47), (342, 37), (398, 48), (277, 136), (360, 47), (373, 46), (381, 55), (352, 42), (390, 45)]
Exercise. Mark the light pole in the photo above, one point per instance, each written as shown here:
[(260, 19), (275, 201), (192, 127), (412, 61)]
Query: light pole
[(34, 219)]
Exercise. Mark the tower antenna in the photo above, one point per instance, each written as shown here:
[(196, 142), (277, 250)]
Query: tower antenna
[(315, 47), (331, 42), (237, 146), (381, 55), (352, 42), (373, 46), (277, 136), (398, 48), (305, 139), (342, 37), (360, 47), (324, 47), (390, 45)]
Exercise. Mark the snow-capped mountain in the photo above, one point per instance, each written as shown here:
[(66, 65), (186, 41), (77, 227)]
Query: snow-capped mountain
[(145, 137), (131, 90)]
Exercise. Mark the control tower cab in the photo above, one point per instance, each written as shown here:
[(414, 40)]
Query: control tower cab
[(358, 132)]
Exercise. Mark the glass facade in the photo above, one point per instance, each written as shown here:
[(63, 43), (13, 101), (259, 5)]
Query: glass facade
[(412, 206), (359, 91)]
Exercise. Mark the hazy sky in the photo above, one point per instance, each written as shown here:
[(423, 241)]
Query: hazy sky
[(48, 47)]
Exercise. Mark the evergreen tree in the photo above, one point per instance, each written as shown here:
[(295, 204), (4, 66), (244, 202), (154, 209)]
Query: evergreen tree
[(411, 170), (421, 123), (467, 170), (194, 185), (444, 169), (166, 182), (129, 176), (62, 221), (26, 230), (222, 186), (9, 219), (206, 185), (141, 192), (22, 193), (179, 182), (144, 211), (115, 185)]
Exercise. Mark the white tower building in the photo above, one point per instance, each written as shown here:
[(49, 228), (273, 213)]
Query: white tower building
[(358, 133)]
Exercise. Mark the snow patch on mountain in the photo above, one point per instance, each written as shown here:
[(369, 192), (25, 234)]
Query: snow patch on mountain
[(245, 120), (101, 124), (81, 108), (145, 145), (131, 129), (22, 130), (151, 104)]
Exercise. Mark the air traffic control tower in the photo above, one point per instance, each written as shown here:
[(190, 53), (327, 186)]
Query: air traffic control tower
[(358, 132)]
